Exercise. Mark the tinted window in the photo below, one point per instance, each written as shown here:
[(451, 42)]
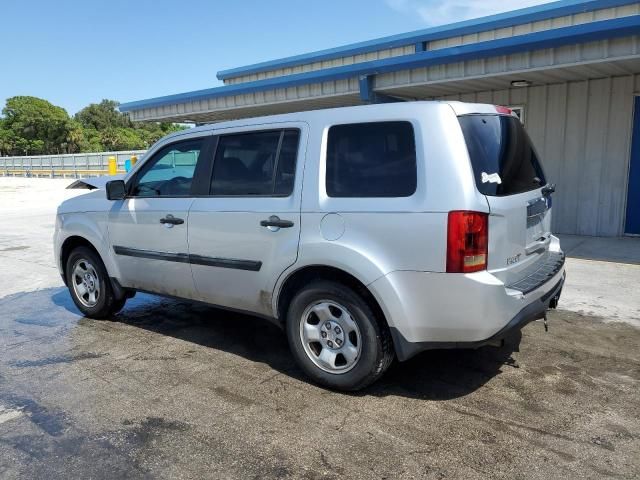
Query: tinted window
[(502, 155), (371, 160), (257, 163), (285, 173), (170, 171)]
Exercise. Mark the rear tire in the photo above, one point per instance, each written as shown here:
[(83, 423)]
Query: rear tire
[(336, 337), (90, 286)]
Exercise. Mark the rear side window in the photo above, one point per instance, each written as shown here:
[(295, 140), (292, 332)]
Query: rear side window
[(256, 163), (371, 160), (502, 156)]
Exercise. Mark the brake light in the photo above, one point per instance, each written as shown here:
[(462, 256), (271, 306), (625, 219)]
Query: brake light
[(467, 241), (503, 110)]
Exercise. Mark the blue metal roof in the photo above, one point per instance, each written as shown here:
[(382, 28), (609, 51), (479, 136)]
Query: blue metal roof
[(515, 17), (593, 31)]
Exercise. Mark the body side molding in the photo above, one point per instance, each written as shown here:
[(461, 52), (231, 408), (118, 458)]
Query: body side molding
[(238, 264)]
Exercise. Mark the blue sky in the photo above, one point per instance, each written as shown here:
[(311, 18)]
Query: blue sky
[(76, 52)]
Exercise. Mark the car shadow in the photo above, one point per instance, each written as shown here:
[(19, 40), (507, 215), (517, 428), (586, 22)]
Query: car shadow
[(432, 375), (447, 374)]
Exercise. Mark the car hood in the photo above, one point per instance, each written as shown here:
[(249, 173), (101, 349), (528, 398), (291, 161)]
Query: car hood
[(91, 183), (86, 197)]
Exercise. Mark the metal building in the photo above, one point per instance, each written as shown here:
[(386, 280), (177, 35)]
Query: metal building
[(571, 68)]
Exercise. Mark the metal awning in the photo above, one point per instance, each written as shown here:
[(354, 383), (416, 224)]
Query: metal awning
[(590, 50)]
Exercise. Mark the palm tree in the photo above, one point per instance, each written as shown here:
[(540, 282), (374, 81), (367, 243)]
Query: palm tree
[(74, 137)]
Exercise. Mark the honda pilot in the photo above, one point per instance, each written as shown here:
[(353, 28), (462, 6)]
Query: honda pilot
[(368, 233)]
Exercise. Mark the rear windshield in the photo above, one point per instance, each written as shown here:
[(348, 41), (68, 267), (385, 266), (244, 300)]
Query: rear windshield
[(502, 155)]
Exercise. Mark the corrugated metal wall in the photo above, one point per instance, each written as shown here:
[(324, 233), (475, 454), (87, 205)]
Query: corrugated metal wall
[(583, 133), (336, 62), (558, 22), (563, 21), (587, 60), (347, 92)]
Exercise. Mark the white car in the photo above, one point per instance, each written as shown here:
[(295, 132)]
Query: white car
[(368, 232)]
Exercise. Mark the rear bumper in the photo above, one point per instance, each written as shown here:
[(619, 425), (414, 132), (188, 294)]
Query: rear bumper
[(438, 310), (534, 311)]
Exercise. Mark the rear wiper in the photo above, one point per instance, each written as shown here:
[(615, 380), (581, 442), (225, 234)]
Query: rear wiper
[(549, 188)]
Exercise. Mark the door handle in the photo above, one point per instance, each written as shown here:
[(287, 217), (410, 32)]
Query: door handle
[(274, 221), (171, 220), (539, 245)]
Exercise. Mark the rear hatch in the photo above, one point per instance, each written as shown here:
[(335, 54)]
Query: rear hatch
[(508, 172)]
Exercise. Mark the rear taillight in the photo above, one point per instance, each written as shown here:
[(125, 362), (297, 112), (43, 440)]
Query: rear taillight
[(467, 241)]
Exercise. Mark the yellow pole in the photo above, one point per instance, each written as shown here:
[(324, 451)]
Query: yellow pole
[(113, 166)]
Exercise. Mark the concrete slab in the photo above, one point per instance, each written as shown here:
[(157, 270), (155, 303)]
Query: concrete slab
[(610, 291), (604, 249), (28, 207), (603, 277)]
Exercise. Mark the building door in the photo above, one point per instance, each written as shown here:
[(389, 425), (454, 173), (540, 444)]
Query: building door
[(632, 225)]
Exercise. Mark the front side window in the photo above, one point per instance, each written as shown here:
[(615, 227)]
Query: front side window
[(255, 163), (371, 160), (170, 172)]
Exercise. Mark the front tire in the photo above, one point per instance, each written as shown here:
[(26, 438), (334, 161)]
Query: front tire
[(336, 338), (90, 286)]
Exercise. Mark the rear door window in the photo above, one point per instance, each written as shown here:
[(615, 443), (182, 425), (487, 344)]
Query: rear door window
[(503, 158), (375, 159), (256, 163)]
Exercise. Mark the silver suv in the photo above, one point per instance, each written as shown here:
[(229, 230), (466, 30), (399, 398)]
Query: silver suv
[(368, 232)]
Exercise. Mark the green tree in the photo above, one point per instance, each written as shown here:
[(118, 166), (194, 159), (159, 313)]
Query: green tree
[(7, 139), (25, 146), (117, 131), (91, 141), (103, 116), (32, 126), (151, 132), (109, 139), (36, 125), (75, 137)]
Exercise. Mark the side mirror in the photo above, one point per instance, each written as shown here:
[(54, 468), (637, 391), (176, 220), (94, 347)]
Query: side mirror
[(115, 190)]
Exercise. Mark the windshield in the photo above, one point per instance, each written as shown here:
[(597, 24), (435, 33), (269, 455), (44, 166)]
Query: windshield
[(502, 156)]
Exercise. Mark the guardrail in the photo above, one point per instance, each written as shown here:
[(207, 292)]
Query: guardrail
[(68, 165)]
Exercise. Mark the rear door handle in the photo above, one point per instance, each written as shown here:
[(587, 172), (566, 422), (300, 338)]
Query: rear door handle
[(274, 221), (171, 220)]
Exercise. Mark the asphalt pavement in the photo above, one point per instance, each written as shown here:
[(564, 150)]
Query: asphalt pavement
[(169, 389)]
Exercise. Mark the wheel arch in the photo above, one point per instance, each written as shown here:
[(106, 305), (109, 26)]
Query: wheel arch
[(89, 228), (69, 245), (74, 241), (296, 279)]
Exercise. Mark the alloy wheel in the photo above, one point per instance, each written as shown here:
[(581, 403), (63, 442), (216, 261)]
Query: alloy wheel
[(330, 336), (85, 282)]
